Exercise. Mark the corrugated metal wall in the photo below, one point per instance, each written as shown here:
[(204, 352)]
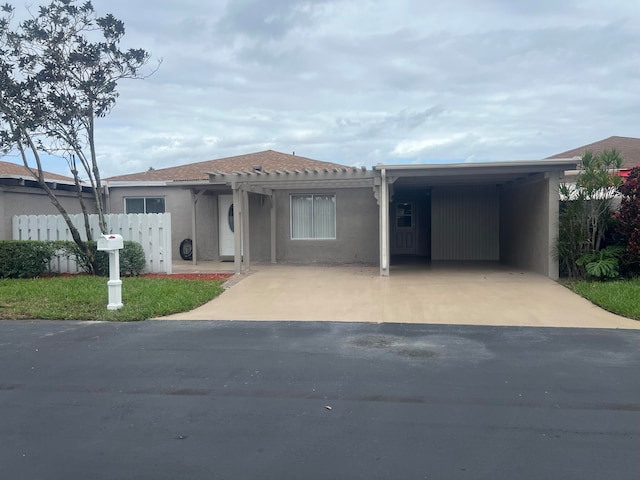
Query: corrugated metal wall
[(465, 223)]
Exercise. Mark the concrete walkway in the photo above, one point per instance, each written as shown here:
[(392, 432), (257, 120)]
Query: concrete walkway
[(477, 295)]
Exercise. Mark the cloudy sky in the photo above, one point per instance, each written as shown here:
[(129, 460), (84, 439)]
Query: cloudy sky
[(362, 82)]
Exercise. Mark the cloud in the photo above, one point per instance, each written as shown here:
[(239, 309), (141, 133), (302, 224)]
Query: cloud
[(369, 81)]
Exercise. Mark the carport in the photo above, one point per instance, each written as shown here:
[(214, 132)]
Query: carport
[(503, 212)]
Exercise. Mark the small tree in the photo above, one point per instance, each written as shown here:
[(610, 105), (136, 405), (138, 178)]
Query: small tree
[(587, 213), (58, 73), (628, 216)]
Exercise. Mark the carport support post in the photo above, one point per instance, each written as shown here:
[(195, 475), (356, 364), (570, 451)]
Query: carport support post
[(553, 183), (384, 224), (246, 253), (272, 198), (237, 229)]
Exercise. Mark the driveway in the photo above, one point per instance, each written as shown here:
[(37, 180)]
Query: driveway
[(482, 294)]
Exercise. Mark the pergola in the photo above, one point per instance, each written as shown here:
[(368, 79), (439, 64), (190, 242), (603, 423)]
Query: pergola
[(268, 184)]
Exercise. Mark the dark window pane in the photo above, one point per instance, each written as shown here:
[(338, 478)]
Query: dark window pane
[(134, 205), (155, 205)]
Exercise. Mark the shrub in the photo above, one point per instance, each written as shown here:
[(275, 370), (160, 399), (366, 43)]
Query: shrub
[(586, 216), (628, 225), (25, 258), (604, 263), (132, 260)]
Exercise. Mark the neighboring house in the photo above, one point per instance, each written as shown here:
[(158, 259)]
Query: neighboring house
[(20, 194), (629, 147), (274, 207)]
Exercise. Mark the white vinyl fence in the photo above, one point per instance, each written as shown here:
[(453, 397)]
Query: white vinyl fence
[(152, 231)]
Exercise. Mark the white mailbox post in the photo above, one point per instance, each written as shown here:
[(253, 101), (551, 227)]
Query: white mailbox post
[(112, 244)]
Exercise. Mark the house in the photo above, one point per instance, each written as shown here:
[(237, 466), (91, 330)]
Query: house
[(629, 147), (200, 211), (275, 207), (21, 194)]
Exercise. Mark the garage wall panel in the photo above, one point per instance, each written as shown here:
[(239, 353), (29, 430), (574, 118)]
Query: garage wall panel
[(465, 223)]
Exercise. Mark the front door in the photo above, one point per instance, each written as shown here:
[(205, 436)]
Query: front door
[(404, 229), (225, 226)]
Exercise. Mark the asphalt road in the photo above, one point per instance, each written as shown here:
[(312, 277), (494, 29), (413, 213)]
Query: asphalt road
[(241, 400)]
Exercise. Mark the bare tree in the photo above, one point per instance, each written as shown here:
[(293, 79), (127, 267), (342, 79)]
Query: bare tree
[(59, 71)]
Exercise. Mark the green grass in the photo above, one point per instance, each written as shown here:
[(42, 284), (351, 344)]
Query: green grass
[(621, 296), (85, 298)]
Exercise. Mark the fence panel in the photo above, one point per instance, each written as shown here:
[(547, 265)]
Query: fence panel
[(152, 231)]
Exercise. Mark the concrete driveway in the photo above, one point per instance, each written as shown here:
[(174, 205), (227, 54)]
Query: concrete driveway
[(482, 294)]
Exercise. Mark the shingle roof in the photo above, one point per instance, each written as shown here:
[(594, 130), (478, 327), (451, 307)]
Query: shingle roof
[(8, 169), (629, 147), (268, 161)]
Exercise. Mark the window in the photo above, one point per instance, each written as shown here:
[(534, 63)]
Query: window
[(144, 205), (404, 215), (313, 217)]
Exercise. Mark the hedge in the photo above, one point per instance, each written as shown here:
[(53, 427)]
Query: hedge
[(31, 258), (25, 258), (132, 260)]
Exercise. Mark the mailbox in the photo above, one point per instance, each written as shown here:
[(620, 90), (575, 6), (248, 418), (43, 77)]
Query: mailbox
[(110, 242)]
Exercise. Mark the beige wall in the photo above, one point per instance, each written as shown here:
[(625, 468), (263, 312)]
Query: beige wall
[(529, 224), (260, 227), (357, 236), (465, 223), (16, 200), (178, 202)]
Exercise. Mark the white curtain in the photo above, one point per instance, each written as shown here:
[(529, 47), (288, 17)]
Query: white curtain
[(324, 216), (313, 216), (302, 216)]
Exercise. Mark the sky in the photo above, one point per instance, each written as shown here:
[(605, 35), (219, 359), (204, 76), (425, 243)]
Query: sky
[(361, 82)]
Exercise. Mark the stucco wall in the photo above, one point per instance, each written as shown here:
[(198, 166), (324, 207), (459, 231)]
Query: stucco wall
[(357, 236), (15, 200), (528, 219), (465, 223), (206, 227), (260, 227), (177, 202)]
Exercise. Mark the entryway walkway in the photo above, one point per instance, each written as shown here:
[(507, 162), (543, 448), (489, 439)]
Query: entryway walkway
[(484, 294)]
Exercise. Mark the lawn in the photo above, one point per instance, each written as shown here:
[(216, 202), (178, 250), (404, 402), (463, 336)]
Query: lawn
[(621, 296), (84, 297)]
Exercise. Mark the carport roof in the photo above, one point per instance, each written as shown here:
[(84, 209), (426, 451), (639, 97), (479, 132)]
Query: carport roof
[(474, 173), (497, 173)]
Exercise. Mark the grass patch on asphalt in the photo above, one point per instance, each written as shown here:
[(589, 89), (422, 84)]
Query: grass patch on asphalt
[(85, 298), (621, 297)]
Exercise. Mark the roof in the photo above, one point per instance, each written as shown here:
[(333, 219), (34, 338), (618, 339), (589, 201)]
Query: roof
[(267, 161), (13, 170), (497, 173), (629, 147)]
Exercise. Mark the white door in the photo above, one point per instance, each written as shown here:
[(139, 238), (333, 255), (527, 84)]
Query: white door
[(225, 225), (404, 238)]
